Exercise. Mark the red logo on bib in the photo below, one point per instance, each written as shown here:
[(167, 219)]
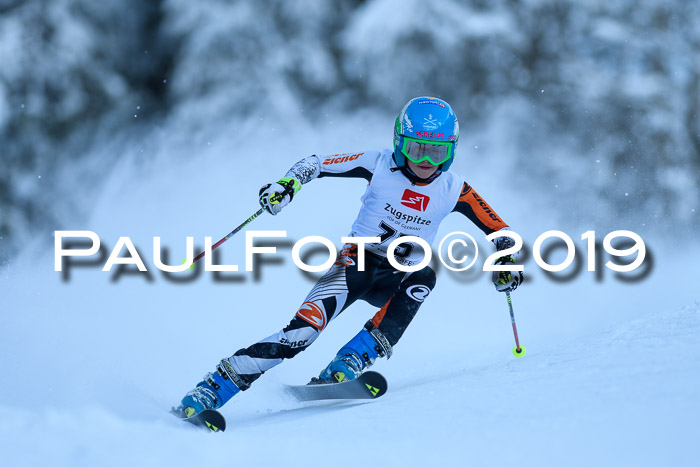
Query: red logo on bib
[(415, 200)]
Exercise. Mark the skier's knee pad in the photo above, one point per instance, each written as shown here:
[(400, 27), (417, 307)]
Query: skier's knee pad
[(419, 284)]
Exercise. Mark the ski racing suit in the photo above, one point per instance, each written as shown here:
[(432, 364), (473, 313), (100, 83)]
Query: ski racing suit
[(392, 206)]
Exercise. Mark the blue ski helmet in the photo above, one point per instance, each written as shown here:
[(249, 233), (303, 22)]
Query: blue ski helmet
[(426, 129)]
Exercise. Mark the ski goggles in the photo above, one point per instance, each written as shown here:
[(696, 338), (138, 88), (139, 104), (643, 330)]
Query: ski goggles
[(435, 152)]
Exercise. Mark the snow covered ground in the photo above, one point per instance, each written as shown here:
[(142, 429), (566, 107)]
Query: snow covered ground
[(624, 396), (90, 364)]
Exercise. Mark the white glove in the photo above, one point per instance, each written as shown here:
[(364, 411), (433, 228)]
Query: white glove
[(506, 281), (275, 196)]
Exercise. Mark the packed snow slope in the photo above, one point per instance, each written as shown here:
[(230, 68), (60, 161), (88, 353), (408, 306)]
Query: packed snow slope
[(91, 361)]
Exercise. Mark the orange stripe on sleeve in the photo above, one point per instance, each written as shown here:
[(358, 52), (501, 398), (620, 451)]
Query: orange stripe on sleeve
[(478, 211)]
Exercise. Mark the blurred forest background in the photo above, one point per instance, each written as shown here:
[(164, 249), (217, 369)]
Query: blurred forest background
[(599, 100)]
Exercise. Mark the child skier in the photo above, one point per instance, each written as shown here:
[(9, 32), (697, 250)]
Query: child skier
[(409, 192)]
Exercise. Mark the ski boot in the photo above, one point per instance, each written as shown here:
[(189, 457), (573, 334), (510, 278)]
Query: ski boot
[(355, 356), (213, 392)]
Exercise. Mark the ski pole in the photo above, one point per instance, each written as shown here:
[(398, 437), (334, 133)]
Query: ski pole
[(276, 198), (518, 350)]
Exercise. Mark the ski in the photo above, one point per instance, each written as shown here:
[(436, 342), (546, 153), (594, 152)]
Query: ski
[(368, 385), (210, 420)]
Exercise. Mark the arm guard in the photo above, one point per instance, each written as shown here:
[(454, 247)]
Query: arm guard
[(305, 170)]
